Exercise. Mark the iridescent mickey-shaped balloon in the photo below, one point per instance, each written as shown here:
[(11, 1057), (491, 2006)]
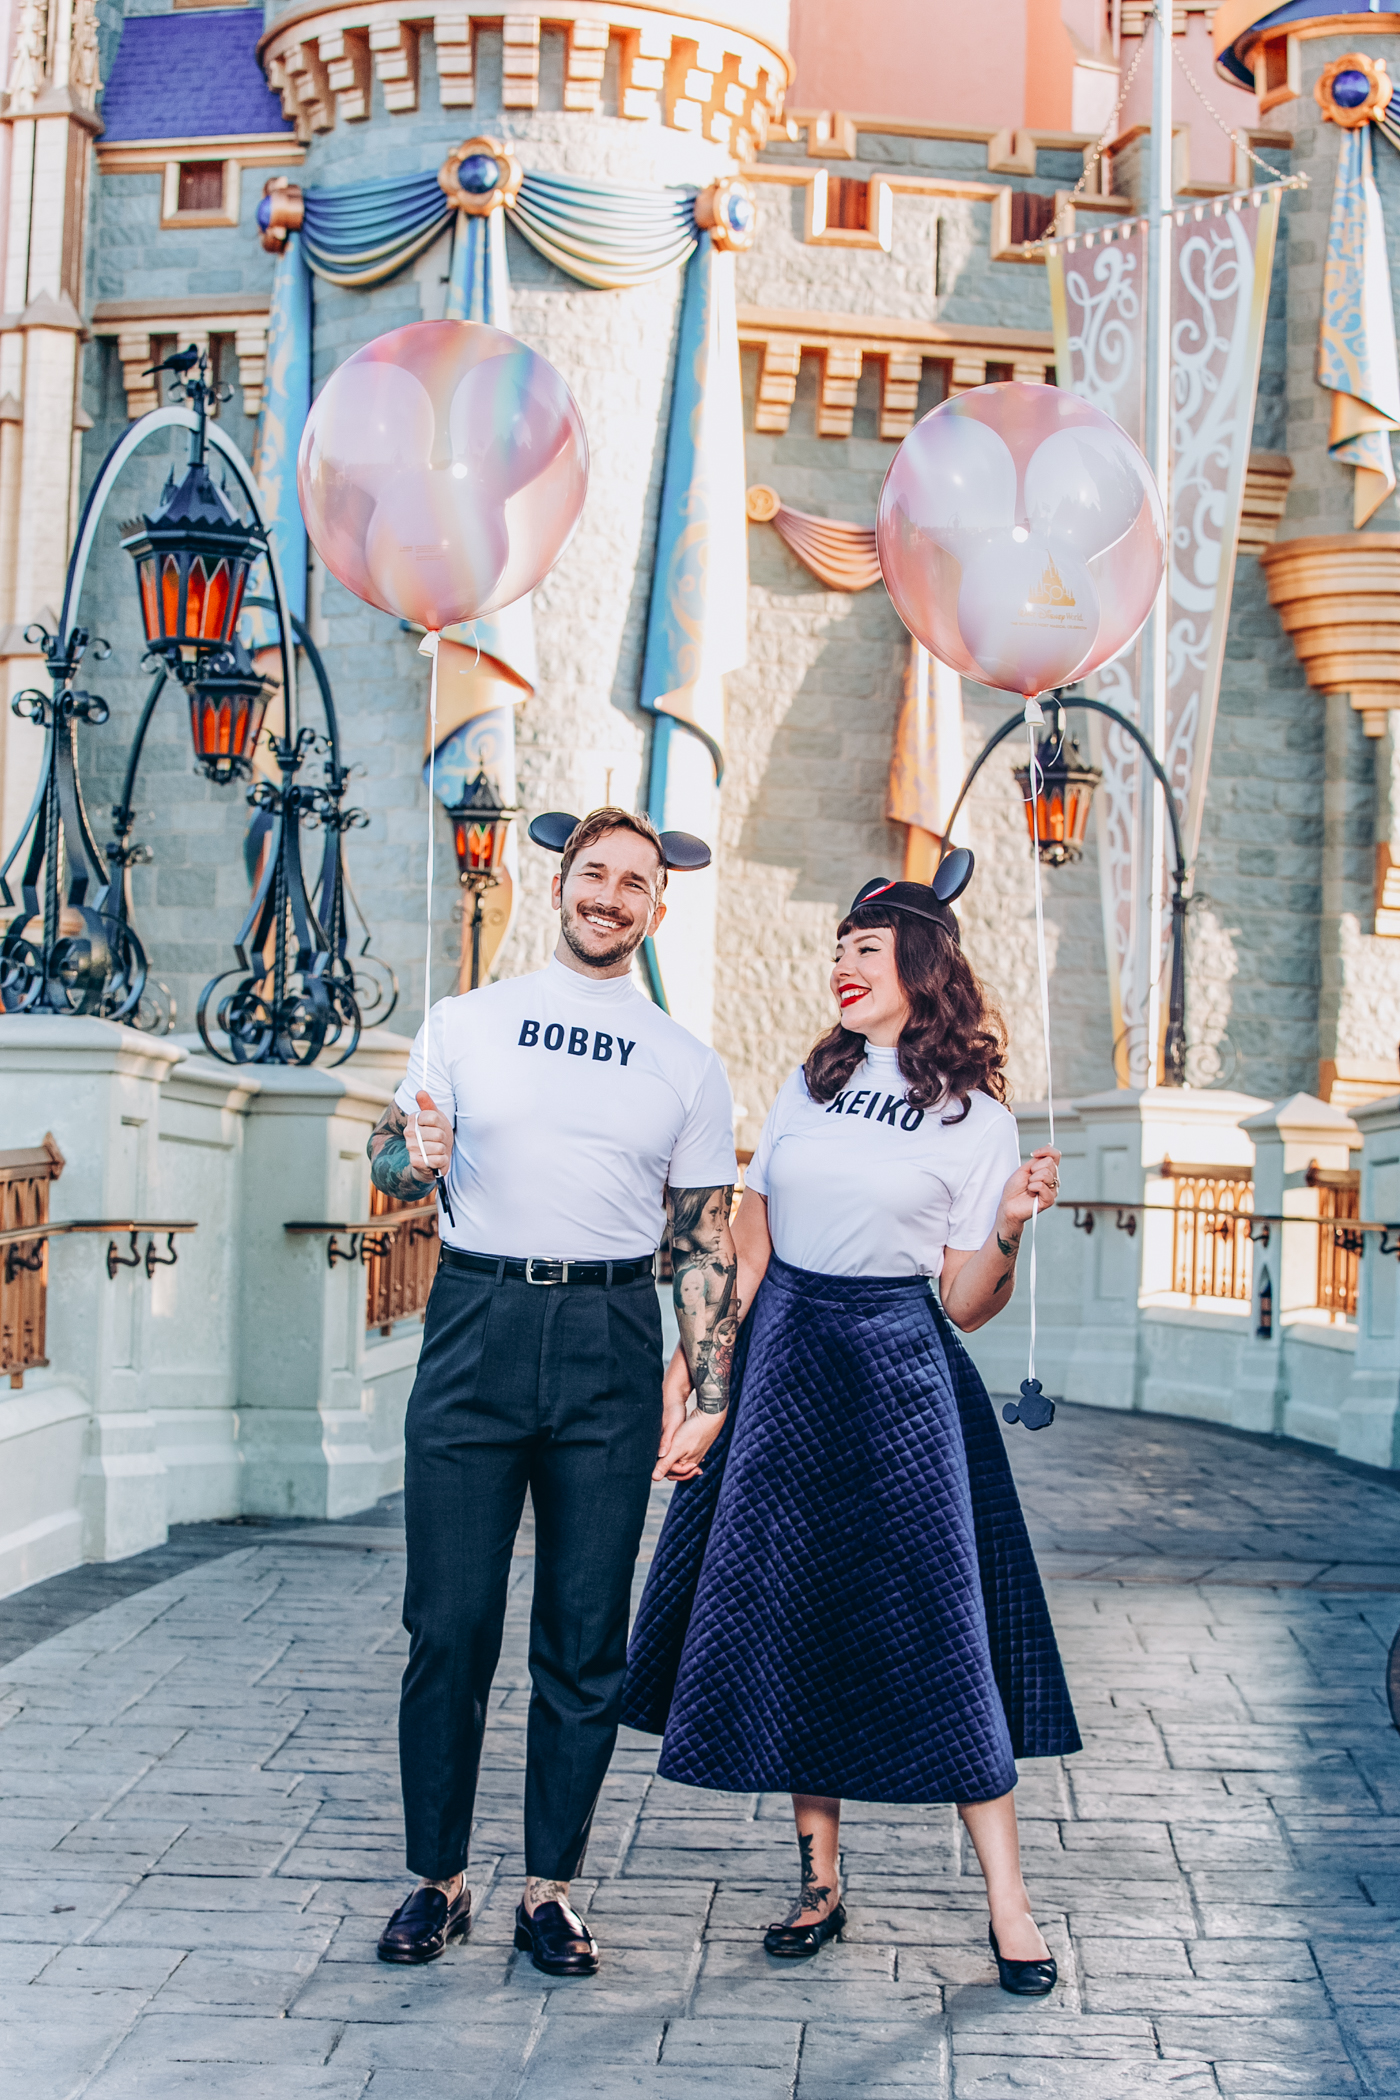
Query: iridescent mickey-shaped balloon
[(442, 471), (1021, 536)]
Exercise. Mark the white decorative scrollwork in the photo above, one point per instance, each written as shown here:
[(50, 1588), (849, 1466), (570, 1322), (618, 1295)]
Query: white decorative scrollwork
[(1220, 269)]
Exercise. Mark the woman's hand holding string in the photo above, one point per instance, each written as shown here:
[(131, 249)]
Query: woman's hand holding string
[(1034, 1186), (976, 1283)]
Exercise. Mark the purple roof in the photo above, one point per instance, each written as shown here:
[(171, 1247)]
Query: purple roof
[(190, 76)]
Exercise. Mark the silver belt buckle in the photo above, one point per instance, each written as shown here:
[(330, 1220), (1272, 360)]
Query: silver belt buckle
[(530, 1276)]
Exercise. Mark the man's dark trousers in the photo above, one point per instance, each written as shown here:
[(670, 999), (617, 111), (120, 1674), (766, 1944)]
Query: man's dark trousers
[(556, 1388)]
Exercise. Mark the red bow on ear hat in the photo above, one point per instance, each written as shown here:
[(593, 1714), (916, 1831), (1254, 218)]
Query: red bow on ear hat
[(924, 900)]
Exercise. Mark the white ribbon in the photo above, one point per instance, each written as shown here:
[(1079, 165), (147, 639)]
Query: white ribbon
[(429, 647), (1033, 718)]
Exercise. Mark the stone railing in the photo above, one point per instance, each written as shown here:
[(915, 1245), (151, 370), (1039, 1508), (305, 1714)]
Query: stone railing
[(242, 1380), (1287, 1324), (27, 1173)]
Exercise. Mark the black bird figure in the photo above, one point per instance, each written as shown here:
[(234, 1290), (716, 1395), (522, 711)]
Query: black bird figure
[(179, 361)]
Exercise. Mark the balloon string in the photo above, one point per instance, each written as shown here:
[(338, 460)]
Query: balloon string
[(429, 647), (1034, 715)]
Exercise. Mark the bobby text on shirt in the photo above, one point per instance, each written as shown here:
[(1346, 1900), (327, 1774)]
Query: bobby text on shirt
[(865, 1185), (577, 1101)]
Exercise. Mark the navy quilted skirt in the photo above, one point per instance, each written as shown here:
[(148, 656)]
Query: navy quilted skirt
[(845, 1601)]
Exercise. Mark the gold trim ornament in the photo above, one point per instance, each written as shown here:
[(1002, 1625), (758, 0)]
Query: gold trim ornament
[(281, 212), (470, 183), (762, 504), (728, 213), (1339, 90)]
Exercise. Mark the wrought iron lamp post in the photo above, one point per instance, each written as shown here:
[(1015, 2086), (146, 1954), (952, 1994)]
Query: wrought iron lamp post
[(480, 824), (71, 947), (1058, 801)]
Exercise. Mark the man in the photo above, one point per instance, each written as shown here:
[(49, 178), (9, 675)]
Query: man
[(577, 1107)]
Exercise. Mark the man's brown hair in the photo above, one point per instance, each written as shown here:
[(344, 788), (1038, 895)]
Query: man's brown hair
[(599, 823)]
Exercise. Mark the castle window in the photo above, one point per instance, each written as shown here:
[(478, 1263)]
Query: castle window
[(201, 192), (201, 186), (848, 203), (1031, 216)]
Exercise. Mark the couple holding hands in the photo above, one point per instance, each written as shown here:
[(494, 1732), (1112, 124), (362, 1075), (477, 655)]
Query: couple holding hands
[(843, 1603)]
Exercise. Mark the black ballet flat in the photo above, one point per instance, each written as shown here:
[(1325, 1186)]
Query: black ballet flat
[(424, 1924), (798, 1942), (1024, 1979), (556, 1943)]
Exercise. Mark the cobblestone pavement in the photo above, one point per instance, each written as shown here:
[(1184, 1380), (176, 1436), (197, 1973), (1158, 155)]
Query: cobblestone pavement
[(200, 1837)]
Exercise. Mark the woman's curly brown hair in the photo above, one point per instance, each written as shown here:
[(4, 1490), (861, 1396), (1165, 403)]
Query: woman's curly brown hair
[(954, 1040)]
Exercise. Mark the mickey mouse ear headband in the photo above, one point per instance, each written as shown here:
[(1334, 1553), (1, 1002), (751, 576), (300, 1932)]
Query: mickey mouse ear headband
[(924, 900), (679, 851)]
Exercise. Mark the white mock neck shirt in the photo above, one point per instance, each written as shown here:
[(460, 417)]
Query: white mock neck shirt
[(576, 1101), (865, 1185)]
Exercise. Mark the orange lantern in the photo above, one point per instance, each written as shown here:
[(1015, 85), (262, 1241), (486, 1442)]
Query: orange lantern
[(192, 561)]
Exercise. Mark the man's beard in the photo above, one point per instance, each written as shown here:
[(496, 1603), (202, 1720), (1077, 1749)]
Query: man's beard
[(628, 941)]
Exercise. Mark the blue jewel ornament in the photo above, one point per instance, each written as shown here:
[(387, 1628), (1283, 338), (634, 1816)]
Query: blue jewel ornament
[(479, 173), (1350, 89), (264, 213), (738, 212), (1032, 1410)]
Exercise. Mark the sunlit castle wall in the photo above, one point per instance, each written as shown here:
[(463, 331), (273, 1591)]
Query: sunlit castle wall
[(846, 341), (581, 736)]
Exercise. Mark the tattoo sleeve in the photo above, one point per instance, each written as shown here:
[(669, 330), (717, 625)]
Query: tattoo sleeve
[(389, 1166), (704, 1290)]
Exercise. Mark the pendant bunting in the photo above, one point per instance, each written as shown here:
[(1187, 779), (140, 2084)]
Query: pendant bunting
[(1356, 355), (697, 619), (1222, 262)]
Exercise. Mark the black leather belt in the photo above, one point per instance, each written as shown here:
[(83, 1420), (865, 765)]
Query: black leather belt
[(547, 1269)]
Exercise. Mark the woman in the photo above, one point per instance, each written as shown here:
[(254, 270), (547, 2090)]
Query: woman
[(844, 1602)]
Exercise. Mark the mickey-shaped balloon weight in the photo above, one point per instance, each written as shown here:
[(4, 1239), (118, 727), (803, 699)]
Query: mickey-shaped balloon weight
[(682, 852), (1032, 1410)]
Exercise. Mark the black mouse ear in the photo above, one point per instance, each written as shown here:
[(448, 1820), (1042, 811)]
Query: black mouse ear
[(684, 852), (553, 830), (870, 889), (954, 874)]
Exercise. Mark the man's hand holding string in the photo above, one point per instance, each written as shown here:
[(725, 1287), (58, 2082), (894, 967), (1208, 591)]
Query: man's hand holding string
[(976, 1283), (705, 1291), (407, 1153)]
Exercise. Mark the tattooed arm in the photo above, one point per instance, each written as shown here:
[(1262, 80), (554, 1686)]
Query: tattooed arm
[(705, 1271), (392, 1167), (705, 1268), (977, 1283)]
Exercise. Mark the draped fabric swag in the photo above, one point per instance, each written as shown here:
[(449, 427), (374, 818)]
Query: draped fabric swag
[(927, 757)]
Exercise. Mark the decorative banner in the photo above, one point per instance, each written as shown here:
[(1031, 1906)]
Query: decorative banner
[(1222, 260), (286, 405), (1356, 355), (697, 619), (477, 699), (927, 762)]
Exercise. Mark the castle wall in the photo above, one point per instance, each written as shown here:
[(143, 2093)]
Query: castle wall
[(811, 719), (581, 735)]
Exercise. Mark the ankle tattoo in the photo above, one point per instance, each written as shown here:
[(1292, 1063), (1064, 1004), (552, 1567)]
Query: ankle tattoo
[(538, 1891), (812, 1894)]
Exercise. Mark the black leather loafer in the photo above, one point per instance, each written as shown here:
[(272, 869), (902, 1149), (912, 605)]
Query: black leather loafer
[(554, 1942), (423, 1925), (1024, 1979), (796, 1942)]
